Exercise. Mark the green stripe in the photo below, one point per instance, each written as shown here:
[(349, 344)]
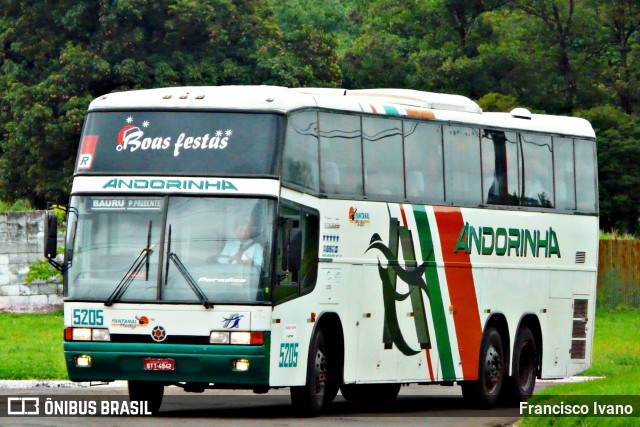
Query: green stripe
[(388, 109), (433, 285)]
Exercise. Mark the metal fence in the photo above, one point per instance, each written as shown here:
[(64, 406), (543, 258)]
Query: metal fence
[(619, 274)]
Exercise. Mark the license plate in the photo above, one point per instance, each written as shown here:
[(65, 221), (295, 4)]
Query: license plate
[(159, 364)]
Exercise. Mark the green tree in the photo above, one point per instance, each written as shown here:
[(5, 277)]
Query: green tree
[(57, 56)]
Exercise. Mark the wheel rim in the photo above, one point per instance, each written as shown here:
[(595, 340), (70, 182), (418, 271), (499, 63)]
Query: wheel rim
[(320, 372), (525, 364), (493, 370)]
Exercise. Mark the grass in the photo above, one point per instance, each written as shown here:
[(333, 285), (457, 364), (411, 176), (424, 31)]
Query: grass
[(31, 346), (616, 356)]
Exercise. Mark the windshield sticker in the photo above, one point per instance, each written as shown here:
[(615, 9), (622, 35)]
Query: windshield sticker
[(87, 151), (123, 204), (131, 138)]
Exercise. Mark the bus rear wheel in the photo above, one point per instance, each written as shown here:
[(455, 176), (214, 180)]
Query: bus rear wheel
[(485, 391), (150, 392), (520, 385), (321, 386)]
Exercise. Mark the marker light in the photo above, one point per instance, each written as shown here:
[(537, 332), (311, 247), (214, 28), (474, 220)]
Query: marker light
[(83, 361), (241, 364)]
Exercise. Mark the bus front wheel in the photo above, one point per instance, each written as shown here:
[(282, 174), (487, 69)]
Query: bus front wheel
[(150, 392), (485, 391), (321, 386)]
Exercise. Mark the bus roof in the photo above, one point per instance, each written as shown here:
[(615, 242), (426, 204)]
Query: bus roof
[(402, 102)]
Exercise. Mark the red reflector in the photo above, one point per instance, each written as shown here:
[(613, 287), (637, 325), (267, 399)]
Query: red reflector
[(68, 334), (257, 338)]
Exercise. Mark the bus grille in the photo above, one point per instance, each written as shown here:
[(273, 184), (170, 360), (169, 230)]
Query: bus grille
[(171, 339)]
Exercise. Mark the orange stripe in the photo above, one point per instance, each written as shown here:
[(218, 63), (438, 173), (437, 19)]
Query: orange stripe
[(373, 108), (457, 267)]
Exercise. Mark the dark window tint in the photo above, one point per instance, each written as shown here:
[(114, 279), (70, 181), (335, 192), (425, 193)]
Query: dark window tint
[(174, 142), (462, 159), (382, 145), (300, 159), (423, 161), (340, 154), (586, 175), (564, 173), (500, 167), (537, 169)]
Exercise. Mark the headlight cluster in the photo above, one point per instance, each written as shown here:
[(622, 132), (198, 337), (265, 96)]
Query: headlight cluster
[(86, 334), (236, 338)]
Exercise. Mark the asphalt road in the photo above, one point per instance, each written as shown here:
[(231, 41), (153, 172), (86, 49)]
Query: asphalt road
[(415, 406)]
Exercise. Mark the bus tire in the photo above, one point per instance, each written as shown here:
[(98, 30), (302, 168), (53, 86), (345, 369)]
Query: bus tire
[(520, 385), (485, 391), (321, 386), (379, 393), (150, 392)]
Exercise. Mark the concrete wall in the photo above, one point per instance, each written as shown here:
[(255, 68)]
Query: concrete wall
[(22, 243)]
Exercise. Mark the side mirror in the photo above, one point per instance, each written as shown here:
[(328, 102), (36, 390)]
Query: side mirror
[(50, 236)]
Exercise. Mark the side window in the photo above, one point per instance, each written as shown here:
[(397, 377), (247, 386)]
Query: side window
[(382, 146), (564, 173), (340, 154), (537, 167), (586, 175), (297, 252), (423, 161), (300, 158), (500, 167), (462, 157)]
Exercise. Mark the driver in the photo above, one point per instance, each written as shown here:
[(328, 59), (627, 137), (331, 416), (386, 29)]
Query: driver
[(243, 249)]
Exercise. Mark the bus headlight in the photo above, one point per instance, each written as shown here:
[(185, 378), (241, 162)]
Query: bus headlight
[(219, 337), (81, 334), (100, 335)]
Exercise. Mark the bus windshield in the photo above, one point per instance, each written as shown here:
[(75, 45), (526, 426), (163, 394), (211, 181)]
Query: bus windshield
[(179, 143), (169, 249)]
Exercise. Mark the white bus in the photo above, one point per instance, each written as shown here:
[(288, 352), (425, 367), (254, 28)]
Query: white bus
[(328, 239)]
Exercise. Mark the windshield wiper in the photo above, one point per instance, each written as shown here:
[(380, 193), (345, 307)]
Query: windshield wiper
[(192, 283), (132, 273)]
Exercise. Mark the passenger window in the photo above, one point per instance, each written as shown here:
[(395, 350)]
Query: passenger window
[(423, 162), (297, 252), (340, 154), (462, 157), (564, 173), (500, 167), (586, 175), (300, 158), (382, 146), (537, 167)]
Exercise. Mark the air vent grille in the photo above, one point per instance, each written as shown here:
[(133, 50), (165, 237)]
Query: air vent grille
[(581, 257)]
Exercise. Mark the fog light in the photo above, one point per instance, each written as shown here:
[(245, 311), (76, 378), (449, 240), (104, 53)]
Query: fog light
[(83, 361), (241, 364)]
